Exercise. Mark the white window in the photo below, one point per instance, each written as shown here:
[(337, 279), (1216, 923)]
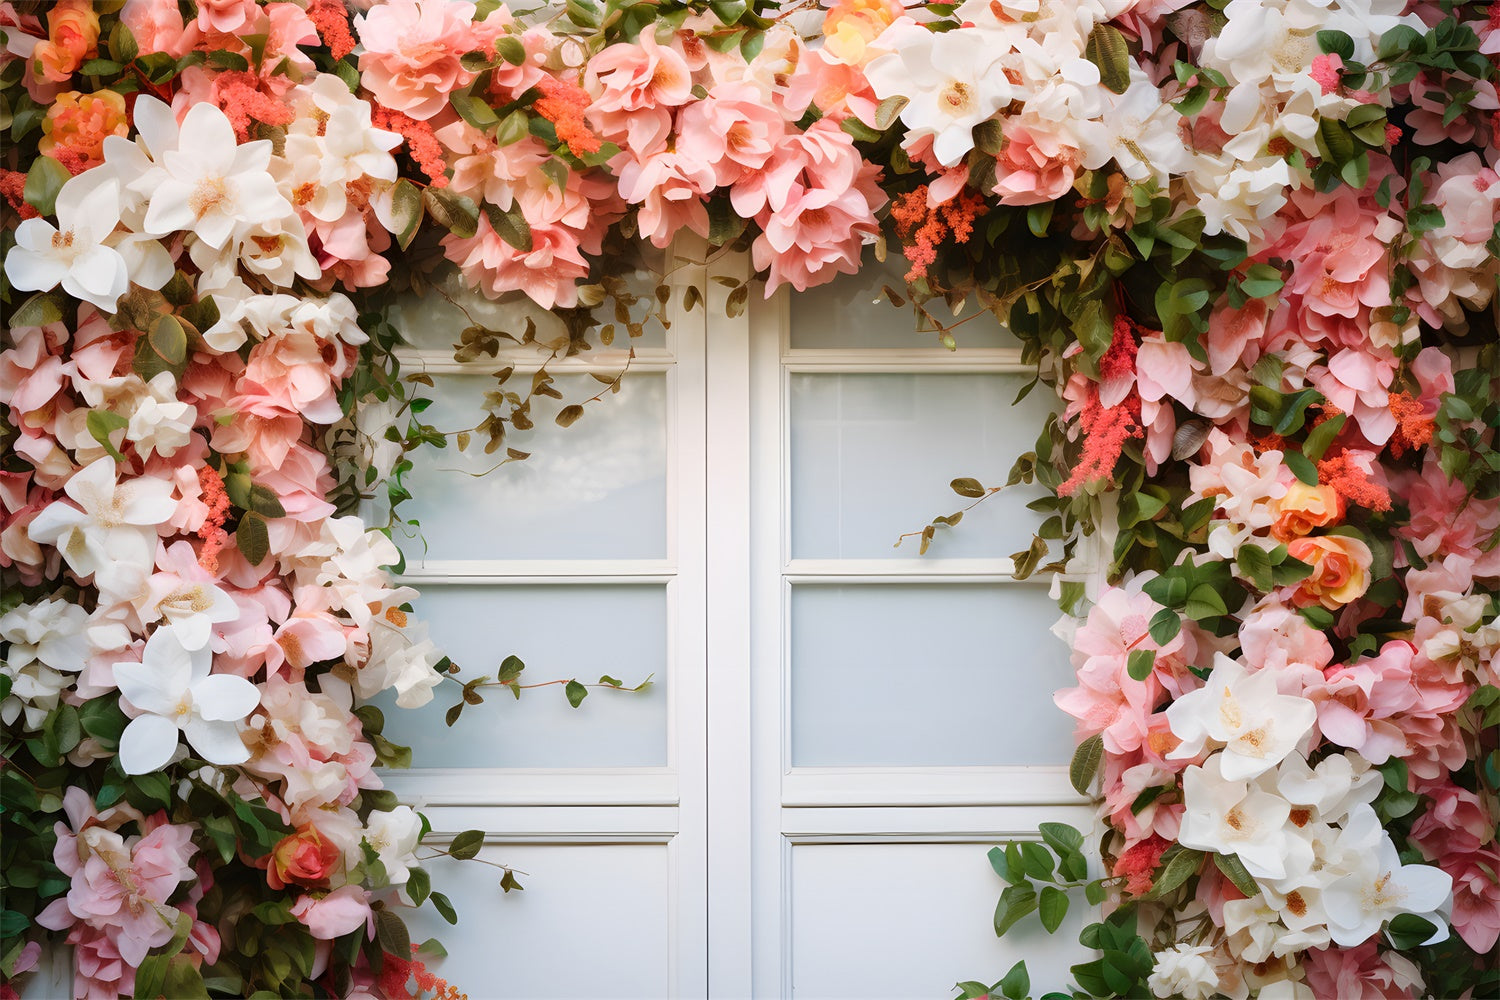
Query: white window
[(839, 728)]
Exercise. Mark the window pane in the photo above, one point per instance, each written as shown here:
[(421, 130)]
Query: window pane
[(851, 312), (564, 936), (872, 457), (930, 675), (560, 632), (595, 490)]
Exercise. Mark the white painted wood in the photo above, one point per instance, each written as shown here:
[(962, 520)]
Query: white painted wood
[(927, 786), (626, 786)]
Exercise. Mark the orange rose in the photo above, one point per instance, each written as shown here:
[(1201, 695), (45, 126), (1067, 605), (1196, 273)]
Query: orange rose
[(76, 124), (1305, 508), (72, 37), (851, 25), (1340, 574), (303, 858)]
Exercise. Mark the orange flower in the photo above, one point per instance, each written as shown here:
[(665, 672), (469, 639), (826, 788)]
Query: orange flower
[(1340, 574), (73, 131), (72, 37), (851, 25), (1304, 508)]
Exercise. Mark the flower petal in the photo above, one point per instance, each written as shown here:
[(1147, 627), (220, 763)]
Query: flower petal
[(147, 744), (216, 742), (147, 688), (224, 697)]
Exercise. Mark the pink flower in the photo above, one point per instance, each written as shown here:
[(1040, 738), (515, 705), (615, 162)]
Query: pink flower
[(225, 17), (1476, 897), (1034, 165), (547, 273), (336, 913), (1362, 972), (634, 85), (731, 131), (669, 187), (157, 26), (1455, 823), (412, 50)]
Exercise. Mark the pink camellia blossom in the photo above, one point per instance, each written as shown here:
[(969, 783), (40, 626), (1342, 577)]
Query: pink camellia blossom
[(547, 273), (1362, 971), (411, 53), (634, 86), (225, 17), (1476, 897), (1455, 823), (157, 26), (669, 188), (335, 914), (731, 131), (1035, 165)]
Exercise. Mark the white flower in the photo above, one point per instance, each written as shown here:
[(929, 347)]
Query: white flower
[(1138, 132), (393, 836), (192, 607), (1234, 817), (47, 639), (1330, 790), (1185, 971), (160, 423), (332, 145), (174, 690), (1243, 712), (210, 185), (73, 252), (401, 657), (949, 82), (112, 531), (1381, 887)]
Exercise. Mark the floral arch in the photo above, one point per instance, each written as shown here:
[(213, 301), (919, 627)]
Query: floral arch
[(1252, 245)]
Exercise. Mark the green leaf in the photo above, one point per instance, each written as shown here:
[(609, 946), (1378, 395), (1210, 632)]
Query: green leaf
[(43, 181), (1015, 902), (888, 110), (1164, 626), (444, 907), (1085, 763), (253, 538), (466, 845), (1321, 436), (1204, 602), (1063, 838), (998, 862), (1301, 467), (406, 211), (264, 501), (454, 212), (418, 885), (511, 49), (576, 692), (510, 225), (1409, 931), (1107, 50), (1234, 870), (39, 310), (513, 128), (1052, 907), (966, 487), (1335, 141), (391, 934), (1037, 860), (1178, 865), (1255, 565), (510, 669), (569, 415), (169, 339), (1336, 43), (1017, 982), (101, 424), (1141, 663)]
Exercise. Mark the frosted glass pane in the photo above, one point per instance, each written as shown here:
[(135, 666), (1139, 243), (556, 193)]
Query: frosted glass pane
[(560, 632), (872, 457), (849, 941), (595, 490), (594, 921), (433, 320), (932, 675), (850, 311)]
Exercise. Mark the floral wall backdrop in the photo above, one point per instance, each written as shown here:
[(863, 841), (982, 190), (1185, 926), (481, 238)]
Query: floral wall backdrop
[(1251, 243)]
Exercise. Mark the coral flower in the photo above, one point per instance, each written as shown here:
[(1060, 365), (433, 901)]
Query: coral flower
[(73, 131), (1341, 570), (72, 37)]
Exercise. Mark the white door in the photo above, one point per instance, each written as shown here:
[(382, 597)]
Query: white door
[(840, 729)]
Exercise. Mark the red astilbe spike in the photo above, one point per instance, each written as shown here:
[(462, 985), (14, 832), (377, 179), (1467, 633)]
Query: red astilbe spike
[(1353, 483), (564, 105), (421, 144), (1138, 864), (211, 531), (923, 227), (1413, 429), (397, 973), (13, 188), (331, 18), (239, 96), (1105, 429)]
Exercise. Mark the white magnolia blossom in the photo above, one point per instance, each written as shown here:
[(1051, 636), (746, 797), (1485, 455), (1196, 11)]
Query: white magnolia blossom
[(401, 657), (1138, 132), (73, 253), (159, 422), (174, 691), (330, 146), (393, 836), (209, 184), (47, 640), (1242, 712), (1378, 888), (192, 607), (111, 533), (948, 79), (1234, 817)]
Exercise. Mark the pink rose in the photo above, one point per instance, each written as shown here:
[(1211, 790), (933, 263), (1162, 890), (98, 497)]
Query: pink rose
[(335, 914)]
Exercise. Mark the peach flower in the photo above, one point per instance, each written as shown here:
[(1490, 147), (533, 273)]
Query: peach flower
[(73, 131), (1341, 570), (851, 25), (157, 26), (72, 37), (412, 50), (1304, 508), (304, 858)]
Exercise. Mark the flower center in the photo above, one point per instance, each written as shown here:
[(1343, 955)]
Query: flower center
[(62, 240), (1229, 711), (210, 193), (957, 96), (1296, 904), (1237, 821)]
